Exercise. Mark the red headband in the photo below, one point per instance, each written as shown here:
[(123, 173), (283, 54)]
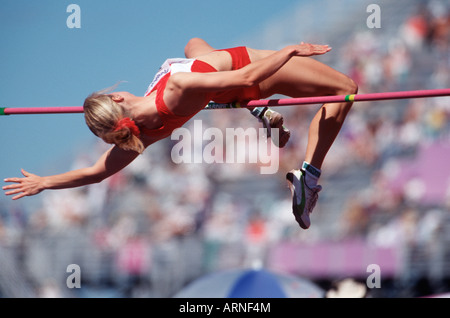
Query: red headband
[(127, 122)]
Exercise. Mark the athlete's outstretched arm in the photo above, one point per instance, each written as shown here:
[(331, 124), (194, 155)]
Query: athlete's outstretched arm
[(112, 161), (249, 75)]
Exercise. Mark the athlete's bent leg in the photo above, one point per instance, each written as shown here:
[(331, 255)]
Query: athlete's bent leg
[(304, 77), (301, 77)]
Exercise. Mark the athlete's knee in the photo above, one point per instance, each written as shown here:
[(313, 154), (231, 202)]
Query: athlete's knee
[(195, 47), (352, 86), (348, 86), (190, 45)]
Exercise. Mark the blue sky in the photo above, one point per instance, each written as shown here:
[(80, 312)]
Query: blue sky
[(45, 63)]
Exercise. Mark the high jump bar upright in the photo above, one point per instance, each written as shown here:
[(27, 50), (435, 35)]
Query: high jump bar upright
[(259, 103)]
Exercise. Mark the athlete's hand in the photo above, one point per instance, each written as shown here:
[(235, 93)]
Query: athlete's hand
[(307, 49), (30, 185)]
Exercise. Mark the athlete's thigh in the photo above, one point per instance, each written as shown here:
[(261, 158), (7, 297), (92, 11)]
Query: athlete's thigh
[(303, 77)]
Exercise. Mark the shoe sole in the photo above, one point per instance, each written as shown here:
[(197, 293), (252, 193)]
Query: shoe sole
[(298, 216), (276, 121)]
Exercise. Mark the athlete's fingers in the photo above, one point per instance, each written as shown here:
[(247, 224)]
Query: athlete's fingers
[(17, 180), (321, 47), (25, 173), (19, 196), (13, 192), (307, 49), (13, 180), (12, 186)]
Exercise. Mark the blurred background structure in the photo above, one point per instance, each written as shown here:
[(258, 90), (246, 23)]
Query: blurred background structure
[(156, 226)]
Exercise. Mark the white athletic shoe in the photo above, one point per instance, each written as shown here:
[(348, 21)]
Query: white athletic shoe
[(304, 198), (270, 120)]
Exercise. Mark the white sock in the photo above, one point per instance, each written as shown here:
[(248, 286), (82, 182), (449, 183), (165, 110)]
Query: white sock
[(312, 174)]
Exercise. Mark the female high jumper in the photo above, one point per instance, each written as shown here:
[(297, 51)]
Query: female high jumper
[(183, 87)]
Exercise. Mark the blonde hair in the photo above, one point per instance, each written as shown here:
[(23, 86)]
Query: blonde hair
[(102, 114)]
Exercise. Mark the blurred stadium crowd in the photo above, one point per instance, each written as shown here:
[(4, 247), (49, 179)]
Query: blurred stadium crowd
[(155, 226)]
